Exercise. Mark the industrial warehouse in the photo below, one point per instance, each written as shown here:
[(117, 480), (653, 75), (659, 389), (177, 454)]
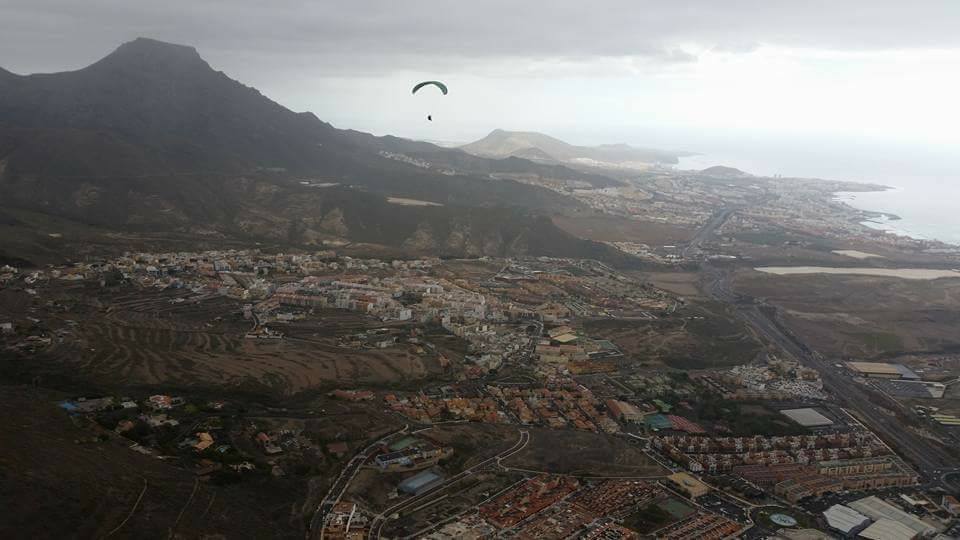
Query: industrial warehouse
[(882, 370), (807, 417)]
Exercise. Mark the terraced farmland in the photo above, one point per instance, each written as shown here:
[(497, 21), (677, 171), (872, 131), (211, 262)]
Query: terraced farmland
[(152, 341)]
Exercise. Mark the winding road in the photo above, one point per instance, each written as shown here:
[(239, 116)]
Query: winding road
[(339, 487)]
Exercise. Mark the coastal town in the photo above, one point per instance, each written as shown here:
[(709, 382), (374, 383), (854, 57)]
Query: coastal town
[(530, 396), (435, 270), (521, 346)]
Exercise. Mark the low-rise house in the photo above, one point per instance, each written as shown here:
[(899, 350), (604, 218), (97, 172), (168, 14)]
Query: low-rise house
[(204, 441), (158, 420), (338, 448), (269, 447), (160, 402)]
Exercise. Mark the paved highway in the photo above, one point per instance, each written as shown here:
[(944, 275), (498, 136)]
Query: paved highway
[(931, 459), (707, 231)]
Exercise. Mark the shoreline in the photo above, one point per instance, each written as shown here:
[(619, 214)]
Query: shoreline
[(885, 222), (844, 198)]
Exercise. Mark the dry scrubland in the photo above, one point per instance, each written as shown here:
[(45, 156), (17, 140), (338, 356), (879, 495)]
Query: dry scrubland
[(685, 284), (863, 316), (605, 228), (792, 248), (703, 335), (584, 453)]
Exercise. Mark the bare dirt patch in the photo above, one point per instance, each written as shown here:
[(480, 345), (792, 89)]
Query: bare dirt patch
[(903, 273), (410, 202), (856, 254), (684, 284), (583, 453), (863, 316)]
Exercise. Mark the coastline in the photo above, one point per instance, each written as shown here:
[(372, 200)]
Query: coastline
[(887, 222), (915, 206), (846, 197)]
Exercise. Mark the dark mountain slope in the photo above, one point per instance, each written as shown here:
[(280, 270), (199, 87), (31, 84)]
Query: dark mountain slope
[(163, 101), (158, 108), (534, 154), (150, 144)]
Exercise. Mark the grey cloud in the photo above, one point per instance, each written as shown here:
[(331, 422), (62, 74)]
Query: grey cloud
[(360, 37)]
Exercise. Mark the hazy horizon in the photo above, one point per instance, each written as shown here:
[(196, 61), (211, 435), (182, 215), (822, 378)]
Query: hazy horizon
[(861, 91), (858, 71)]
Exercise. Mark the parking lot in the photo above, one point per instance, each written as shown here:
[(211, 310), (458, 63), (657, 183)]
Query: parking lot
[(723, 505)]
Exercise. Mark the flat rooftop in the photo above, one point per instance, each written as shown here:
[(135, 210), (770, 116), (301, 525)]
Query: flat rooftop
[(883, 368), (887, 529), (875, 508), (844, 519), (807, 417), (874, 367)]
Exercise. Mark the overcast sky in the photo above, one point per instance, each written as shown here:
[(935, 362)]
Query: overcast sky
[(670, 73)]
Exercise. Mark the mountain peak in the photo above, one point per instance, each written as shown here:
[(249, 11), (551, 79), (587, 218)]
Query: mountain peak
[(143, 45), (722, 170), (501, 143), (146, 52)]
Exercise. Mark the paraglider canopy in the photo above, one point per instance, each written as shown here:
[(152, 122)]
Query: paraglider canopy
[(438, 84)]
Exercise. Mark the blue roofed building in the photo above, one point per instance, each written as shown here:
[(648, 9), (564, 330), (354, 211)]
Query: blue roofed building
[(657, 422), (420, 483)]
